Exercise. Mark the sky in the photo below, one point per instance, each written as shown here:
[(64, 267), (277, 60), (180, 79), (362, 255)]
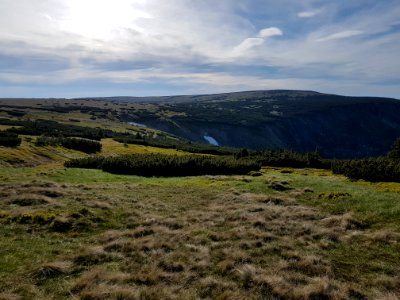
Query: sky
[(88, 48)]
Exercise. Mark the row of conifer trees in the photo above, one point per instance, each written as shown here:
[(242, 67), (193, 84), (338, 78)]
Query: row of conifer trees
[(385, 168), (167, 165)]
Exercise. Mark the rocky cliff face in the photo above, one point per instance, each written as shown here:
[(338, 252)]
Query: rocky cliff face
[(338, 126)]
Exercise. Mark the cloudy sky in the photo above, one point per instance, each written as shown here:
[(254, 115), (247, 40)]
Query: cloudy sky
[(73, 48)]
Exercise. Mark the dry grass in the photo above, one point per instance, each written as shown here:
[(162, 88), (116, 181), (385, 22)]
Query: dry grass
[(51, 270), (102, 236), (252, 244), (214, 237)]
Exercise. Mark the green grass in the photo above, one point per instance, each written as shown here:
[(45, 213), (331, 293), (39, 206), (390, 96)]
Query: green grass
[(284, 234), (224, 230)]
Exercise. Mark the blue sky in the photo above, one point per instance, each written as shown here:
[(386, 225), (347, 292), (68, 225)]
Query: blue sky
[(78, 48)]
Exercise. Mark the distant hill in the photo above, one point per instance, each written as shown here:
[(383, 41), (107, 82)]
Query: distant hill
[(338, 126)]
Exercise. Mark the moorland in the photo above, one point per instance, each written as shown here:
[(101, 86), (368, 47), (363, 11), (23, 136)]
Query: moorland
[(81, 218)]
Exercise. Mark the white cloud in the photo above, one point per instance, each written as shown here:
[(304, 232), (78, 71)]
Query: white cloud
[(308, 14), (341, 35), (251, 43), (270, 31), (246, 45), (195, 36)]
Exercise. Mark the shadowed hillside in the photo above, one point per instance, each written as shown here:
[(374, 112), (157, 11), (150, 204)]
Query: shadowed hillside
[(339, 126), (303, 121)]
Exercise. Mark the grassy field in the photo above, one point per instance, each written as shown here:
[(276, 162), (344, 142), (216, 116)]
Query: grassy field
[(287, 234), (283, 233)]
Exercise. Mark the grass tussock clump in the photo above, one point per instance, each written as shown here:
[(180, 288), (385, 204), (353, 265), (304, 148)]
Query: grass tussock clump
[(33, 218), (166, 165), (51, 270), (29, 200), (9, 296), (93, 256), (100, 283), (343, 222), (334, 195), (211, 237)]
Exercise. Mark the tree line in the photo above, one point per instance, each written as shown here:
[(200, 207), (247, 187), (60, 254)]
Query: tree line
[(386, 168), (167, 165), (80, 144)]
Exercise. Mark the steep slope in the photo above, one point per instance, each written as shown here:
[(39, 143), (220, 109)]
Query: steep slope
[(339, 126)]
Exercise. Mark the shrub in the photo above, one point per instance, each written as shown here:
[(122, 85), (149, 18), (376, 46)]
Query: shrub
[(84, 145), (394, 152), (47, 141), (167, 165), (287, 158), (52, 128), (91, 162), (9, 139), (373, 169)]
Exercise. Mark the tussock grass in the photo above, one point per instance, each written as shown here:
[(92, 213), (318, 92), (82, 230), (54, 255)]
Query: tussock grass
[(9, 296), (215, 237), (29, 200), (51, 270)]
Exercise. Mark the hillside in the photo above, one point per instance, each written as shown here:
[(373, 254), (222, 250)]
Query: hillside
[(338, 126), (341, 127), (272, 233)]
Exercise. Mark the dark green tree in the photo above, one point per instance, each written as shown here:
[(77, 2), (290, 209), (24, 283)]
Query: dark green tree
[(9, 139), (242, 153), (394, 153)]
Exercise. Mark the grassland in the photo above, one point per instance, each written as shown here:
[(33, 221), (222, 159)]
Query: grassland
[(287, 234), (282, 233)]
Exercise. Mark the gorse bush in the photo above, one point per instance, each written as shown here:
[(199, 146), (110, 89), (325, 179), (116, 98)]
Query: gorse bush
[(84, 145), (9, 139), (166, 165)]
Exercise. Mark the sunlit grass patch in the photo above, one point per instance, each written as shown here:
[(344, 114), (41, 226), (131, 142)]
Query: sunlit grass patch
[(4, 127), (383, 186), (28, 154), (111, 147)]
